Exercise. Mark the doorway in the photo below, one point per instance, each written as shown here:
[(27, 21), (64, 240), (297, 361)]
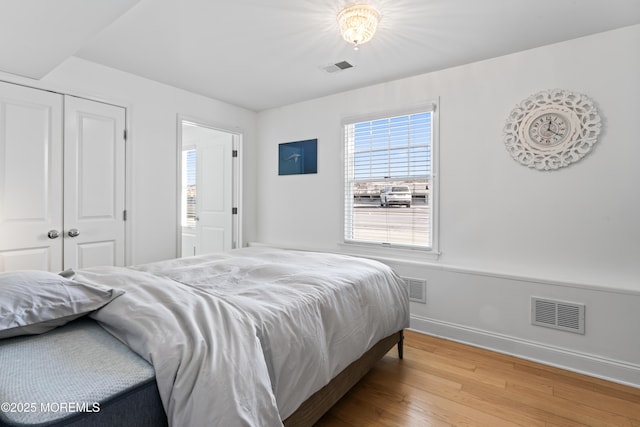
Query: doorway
[(208, 188)]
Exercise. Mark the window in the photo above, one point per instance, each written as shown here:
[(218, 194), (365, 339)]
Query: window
[(389, 182), (189, 212)]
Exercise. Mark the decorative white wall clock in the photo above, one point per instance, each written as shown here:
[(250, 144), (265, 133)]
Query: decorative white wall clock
[(552, 129)]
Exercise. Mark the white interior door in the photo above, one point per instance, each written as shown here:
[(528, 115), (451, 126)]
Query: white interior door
[(30, 179), (94, 181), (207, 190), (214, 227)]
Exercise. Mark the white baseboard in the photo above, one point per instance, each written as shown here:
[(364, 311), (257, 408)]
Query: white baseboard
[(607, 369)]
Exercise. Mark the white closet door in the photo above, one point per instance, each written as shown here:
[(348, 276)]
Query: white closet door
[(30, 179), (94, 176)]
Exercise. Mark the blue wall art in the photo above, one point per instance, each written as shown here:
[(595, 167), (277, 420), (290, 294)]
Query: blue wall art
[(300, 157)]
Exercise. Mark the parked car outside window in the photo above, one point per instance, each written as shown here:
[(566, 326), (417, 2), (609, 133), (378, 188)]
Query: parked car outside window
[(395, 195)]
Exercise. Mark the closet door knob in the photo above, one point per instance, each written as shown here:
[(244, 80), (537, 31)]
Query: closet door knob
[(73, 232), (53, 234)]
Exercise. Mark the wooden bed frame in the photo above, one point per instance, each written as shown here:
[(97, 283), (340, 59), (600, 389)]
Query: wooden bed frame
[(319, 403)]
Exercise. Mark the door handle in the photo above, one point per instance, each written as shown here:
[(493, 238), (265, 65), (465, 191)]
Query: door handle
[(73, 232), (53, 234)]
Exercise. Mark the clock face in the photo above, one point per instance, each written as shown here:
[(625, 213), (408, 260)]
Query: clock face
[(548, 129)]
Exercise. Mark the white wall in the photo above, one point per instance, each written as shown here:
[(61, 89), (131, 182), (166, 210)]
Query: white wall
[(152, 110), (506, 232)]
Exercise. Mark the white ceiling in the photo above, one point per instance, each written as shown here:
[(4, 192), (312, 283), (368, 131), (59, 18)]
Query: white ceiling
[(260, 54), (38, 35)]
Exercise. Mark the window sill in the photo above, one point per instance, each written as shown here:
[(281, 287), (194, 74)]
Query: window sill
[(393, 254), (377, 252)]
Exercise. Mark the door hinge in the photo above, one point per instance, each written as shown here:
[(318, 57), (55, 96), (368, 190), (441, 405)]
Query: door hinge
[(234, 153), (125, 134), (124, 215), (234, 211)]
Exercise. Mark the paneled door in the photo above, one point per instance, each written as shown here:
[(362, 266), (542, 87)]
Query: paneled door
[(30, 179), (62, 181), (94, 184), (214, 197), (207, 200)]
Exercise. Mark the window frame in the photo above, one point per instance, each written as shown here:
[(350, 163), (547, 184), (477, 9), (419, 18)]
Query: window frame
[(397, 250)]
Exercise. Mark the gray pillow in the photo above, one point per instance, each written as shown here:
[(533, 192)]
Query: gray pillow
[(33, 302)]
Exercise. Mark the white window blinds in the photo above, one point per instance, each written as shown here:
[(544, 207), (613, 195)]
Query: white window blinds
[(189, 199), (388, 165)]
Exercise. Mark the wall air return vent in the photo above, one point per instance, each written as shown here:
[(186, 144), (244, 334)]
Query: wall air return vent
[(338, 66), (566, 316), (417, 289)]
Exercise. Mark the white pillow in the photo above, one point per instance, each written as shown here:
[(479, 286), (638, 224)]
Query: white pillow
[(33, 302)]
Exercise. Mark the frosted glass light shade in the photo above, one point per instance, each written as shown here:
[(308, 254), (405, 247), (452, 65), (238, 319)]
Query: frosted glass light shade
[(358, 23)]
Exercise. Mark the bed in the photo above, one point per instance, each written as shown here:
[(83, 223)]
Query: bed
[(253, 337)]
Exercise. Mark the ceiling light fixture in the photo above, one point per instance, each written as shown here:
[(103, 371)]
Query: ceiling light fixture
[(358, 24)]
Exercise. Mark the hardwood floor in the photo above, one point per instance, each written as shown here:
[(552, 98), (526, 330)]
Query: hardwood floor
[(442, 383)]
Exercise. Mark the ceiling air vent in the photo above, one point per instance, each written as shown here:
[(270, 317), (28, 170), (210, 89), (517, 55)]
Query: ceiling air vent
[(417, 289), (566, 316), (338, 66)]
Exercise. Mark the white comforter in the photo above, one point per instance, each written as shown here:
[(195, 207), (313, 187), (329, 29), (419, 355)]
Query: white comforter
[(242, 338)]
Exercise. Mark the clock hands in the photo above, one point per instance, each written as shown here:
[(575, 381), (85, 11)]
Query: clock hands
[(549, 127)]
